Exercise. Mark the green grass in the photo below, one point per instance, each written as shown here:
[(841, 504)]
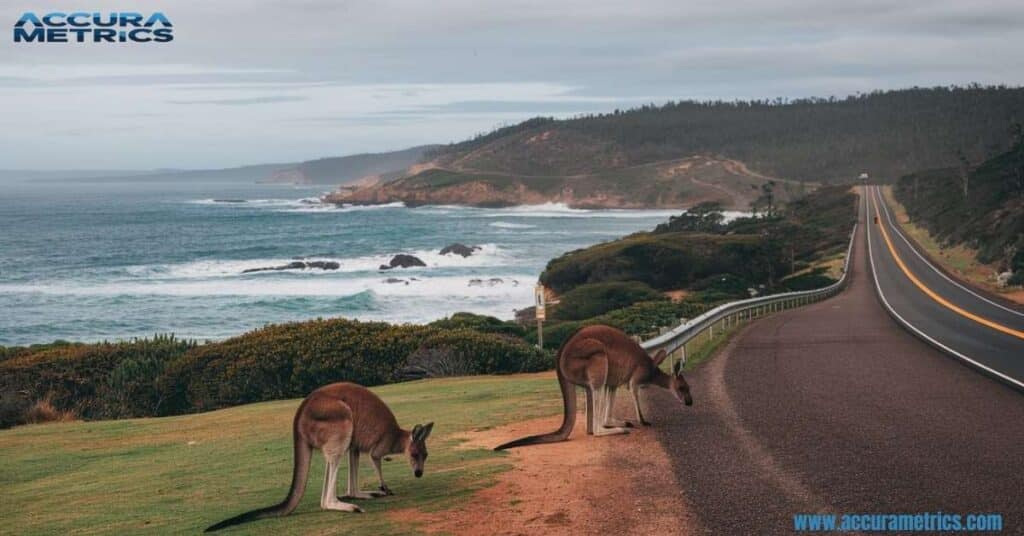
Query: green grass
[(181, 474)]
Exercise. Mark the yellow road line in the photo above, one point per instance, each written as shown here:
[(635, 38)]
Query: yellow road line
[(931, 293)]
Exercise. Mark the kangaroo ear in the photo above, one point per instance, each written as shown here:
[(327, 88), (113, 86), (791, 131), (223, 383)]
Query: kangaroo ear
[(416, 432), (427, 428), (677, 368), (659, 357)]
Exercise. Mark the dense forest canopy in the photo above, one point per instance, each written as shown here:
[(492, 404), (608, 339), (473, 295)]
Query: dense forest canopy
[(884, 133)]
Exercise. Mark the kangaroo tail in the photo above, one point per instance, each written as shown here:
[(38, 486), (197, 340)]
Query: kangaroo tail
[(303, 455), (568, 418)]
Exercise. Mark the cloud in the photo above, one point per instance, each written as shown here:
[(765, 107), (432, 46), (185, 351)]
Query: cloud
[(314, 77), (245, 101)]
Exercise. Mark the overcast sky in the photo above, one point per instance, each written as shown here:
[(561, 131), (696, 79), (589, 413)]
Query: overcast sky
[(252, 81)]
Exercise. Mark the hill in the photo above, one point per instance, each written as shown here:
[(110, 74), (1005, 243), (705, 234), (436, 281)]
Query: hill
[(695, 261), (989, 219), (668, 184), (745, 253), (345, 169), (633, 158), (886, 133)]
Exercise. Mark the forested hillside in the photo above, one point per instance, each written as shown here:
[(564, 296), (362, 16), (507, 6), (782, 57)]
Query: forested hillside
[(984, 212), (885, 133)]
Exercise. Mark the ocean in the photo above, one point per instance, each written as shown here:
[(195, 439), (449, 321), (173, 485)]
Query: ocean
[(96, 261)]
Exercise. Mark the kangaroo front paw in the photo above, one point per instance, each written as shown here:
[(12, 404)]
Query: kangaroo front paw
[(384, 490)]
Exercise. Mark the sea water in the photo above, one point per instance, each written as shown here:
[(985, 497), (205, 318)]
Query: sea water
[(88, 261)]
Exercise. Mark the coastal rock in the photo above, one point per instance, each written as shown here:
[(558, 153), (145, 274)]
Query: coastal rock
[(403, 261), (459, 249), (395, 280), (297, 265), (477, 282)]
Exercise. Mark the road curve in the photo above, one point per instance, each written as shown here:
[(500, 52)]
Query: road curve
[(982, 333), (834, 407)]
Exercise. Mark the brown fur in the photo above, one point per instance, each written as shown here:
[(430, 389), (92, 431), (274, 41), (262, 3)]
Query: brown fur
[(602, 359), (340, 419)]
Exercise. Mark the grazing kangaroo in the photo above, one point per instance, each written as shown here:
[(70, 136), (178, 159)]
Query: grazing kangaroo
[(343, 418), (601, 359)]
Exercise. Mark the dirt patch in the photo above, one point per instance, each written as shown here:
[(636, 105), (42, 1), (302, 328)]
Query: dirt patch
[(676, 295), (589, 485)]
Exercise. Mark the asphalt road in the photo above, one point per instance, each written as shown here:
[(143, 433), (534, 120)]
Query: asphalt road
[(835, 408), (987, 347)]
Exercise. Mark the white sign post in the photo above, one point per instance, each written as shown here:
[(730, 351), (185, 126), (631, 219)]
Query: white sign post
[(539, 306)]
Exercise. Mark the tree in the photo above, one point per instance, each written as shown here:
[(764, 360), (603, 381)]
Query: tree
[(705, 217), (766, 199), (965, 170), (1018, 153)]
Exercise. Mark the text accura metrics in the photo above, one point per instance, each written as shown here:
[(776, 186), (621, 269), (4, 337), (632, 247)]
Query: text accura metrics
[(82, 27)]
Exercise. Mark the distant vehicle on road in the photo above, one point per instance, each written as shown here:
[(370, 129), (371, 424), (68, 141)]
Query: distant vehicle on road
[(863, 177)]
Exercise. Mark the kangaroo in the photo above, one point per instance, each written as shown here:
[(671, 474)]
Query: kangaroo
[(601, 359), (337, 419)]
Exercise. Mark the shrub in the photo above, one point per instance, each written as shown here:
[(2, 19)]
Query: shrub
[(290, 360), (131, 387), (591, 300), (643, 318), (482, 353), (13, 407), (43, 411), (481, 323), (75, 377), (723, 287), (813, 279)]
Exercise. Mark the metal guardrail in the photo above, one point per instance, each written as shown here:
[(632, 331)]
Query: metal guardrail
[(733, 313)]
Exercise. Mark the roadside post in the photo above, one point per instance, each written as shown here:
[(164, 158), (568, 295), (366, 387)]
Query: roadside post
[(539, 302)]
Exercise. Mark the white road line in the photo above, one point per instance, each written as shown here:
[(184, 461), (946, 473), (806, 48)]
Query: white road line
[(878, 287), (885, 208)]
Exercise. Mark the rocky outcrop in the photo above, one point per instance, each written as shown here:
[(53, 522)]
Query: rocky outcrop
[(403, 261), (459, 249), (297, 265), (476, 282)]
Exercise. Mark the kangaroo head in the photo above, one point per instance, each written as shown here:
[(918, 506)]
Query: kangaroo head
[(417, 449), (678, 385)]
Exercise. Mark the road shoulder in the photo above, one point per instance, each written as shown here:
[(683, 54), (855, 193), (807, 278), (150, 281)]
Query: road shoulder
[(589, 485)]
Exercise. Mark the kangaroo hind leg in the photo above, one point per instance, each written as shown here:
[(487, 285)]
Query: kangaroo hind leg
[(333, 450), (602, 413), (610, 421), (353, 479)]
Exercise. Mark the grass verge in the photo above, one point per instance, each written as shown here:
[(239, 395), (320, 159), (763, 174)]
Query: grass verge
[(958, 259), (181, 474)]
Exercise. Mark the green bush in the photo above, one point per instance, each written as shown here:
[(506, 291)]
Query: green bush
[(757, 250), (813, 279), (591, 300), (77, 377), (489, 354), (643, 319), (285, 361), (131, 387), (481, 323), (290, 360)]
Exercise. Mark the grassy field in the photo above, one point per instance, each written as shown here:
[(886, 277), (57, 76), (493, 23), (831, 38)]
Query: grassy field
[(181, 474)]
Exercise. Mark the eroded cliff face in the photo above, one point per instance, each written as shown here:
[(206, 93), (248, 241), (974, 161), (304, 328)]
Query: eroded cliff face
[(671, 184), (477, 194)]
